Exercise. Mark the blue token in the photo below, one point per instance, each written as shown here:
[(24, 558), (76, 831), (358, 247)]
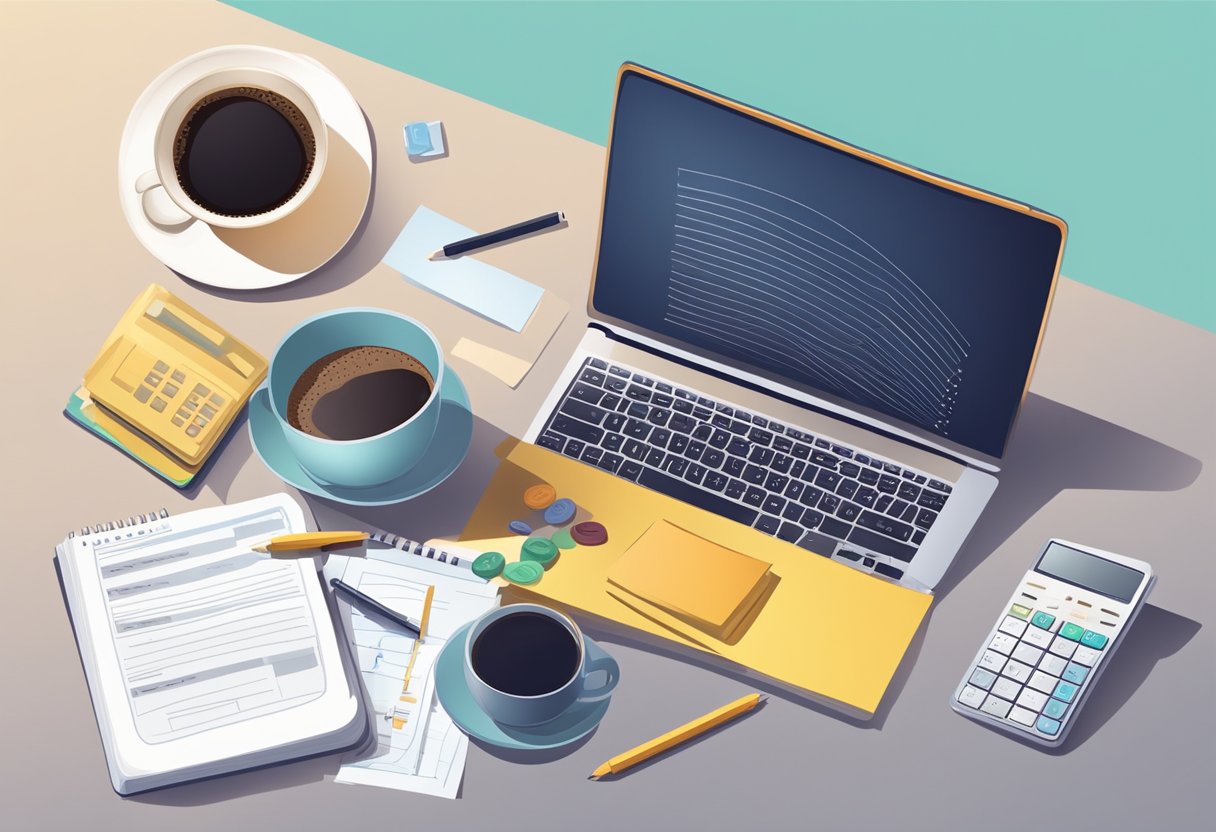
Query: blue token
[(519, 527), (562, 511)]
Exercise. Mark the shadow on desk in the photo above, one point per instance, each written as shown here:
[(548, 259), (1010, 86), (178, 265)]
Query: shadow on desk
[(367, 245), (1056, 447), (442, 512)]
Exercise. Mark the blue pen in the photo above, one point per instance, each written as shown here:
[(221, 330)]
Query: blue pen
[(369, 604)]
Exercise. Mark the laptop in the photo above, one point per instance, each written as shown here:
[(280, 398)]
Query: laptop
[(805, 337)]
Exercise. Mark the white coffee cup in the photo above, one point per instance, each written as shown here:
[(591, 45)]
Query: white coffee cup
[(164, 200)]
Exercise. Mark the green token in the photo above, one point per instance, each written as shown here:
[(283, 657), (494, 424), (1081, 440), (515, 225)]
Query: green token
[(523, 572), (488, 565), (539, 549), (562, 539)]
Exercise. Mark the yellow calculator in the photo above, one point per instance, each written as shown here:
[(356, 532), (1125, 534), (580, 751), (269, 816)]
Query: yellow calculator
[(169, 378)]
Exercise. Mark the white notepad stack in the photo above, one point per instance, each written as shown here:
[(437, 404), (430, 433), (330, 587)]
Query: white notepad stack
[(203, 657)]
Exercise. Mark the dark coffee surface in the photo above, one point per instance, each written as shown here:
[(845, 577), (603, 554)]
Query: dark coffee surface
[(525, 654), (243, 151), (358, 392)]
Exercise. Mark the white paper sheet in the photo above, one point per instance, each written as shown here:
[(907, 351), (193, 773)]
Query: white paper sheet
[(490, 292)]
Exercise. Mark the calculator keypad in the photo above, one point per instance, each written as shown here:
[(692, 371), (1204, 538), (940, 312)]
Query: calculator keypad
[(1033, 669)]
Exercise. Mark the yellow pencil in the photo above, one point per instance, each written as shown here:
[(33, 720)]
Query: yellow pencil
[(679, 735), (308, 543)]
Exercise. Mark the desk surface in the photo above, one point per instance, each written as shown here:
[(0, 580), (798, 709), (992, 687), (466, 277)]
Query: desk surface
[(1111, 449)]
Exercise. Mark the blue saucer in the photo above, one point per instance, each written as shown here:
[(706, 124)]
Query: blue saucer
[(446, 452), (454, 695)]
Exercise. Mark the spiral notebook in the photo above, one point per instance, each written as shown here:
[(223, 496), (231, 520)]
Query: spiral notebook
[(201, 656)]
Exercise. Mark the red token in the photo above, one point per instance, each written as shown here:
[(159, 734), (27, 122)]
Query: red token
[(589, 533)]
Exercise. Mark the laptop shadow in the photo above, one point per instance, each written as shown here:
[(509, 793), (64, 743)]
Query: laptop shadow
[(1055, 447)]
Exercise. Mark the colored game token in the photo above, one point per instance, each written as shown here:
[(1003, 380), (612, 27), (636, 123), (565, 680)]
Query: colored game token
[(488, 565), (539, 496), (589, 533), (539, 550), (562, 539), (560, 513), (519, 527), (523, 572)]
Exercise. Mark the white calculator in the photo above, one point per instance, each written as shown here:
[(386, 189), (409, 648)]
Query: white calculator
[(1052, 640)]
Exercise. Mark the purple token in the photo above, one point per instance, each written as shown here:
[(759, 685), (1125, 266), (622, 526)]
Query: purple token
[(589, 533), (519, 527)]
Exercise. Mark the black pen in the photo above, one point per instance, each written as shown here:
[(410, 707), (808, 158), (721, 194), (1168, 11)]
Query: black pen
[(511, 232), (370, 604)]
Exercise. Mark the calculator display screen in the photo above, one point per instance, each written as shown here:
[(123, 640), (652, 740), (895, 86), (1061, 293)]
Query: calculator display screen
[(1098, 574)]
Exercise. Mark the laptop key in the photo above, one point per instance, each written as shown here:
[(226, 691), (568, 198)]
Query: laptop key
[(760, 456), (574, 448), (617, 385), (883, 545), (654, 457), (925, 518), (811, 496), (659, 437), (715, 481), (611, 402), (551, 441), (849, 469), (908, 491), (847, 489), (824, 460), (702, 432), (776, 482), (598, 363), (611, 462), (641, 379), (739, 447), (894, 528), (661, 400), (783, 444), (629, 470), (694, 450), (636, 429), (848, 511), (866, 496), (835, 528), (883, 502), (613, 441), (890, 571), (794, 489), (721, 420), (781, 463), (678, 443), (584, 411), (638, 410), (702, 413), (663, 388), (720, 439), (801, 451), (811, 518), (796, 471), (768, 525), (635, 449), (689, 493), (868, 476), (932, 501), (638, 394), (774, 504), (759, 436), (829, 503), (736, 488), (592, 454), (734, 466), (789, 532), (754, 474), (593, 377), (675, 465), (887, 484), (918, 536), (618, 371), (576, 429), (682, 406), (826, 479), (681, 423), (793, 511), (738, 426), (897, 509), (695, 473), (615, 421), (587, 393), (658, 416), (909, 514), (712, 458), (754, 496)]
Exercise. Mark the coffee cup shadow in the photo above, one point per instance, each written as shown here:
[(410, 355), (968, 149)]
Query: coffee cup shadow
[(310, 234)]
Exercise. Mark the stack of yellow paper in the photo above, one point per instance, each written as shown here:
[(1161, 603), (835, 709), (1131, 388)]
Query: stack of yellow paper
[(708, 586)]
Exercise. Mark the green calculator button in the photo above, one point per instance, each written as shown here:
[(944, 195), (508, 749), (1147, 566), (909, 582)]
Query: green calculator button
[(1043, 620), (1072, 632), (1093, 640), (1019, 611)]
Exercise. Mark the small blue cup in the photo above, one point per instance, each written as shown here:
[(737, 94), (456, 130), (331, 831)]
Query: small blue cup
[(375, 459)]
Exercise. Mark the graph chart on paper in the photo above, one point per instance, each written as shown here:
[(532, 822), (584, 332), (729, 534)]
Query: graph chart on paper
[(775, 281)]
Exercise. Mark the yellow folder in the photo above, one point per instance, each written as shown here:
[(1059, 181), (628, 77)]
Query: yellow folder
[(835, 632)]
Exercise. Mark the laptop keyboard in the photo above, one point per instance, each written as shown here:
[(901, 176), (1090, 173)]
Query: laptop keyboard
[(807, 489)]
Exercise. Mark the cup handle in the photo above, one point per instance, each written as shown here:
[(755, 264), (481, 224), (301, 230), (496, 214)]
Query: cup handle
[(157, 205), (597, 659)]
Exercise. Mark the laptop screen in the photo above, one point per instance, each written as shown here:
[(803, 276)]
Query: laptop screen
[(742, 239)]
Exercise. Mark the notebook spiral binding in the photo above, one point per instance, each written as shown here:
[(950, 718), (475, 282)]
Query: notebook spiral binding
[(135, 520), (415, 548)]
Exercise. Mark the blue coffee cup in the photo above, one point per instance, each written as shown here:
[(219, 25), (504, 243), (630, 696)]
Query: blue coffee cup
[(372, 460)]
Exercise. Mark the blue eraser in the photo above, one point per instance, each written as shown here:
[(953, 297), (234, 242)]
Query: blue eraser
[(424, 138), (519, 527)]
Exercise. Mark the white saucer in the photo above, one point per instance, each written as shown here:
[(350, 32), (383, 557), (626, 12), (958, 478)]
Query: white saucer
[(255, 258)]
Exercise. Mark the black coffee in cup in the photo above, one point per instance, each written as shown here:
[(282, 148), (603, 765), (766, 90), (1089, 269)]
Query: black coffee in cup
[(358, 392), (243, 151), (525, 654)]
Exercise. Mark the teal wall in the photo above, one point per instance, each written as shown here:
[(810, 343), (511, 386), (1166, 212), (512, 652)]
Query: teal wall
[(1103, 113)]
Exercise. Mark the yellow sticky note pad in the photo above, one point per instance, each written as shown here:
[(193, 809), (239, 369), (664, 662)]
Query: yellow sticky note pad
[(820, 626), (695, 579)]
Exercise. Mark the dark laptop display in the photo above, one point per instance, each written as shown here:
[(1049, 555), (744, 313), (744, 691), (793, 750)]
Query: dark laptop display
[(810, 265)]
